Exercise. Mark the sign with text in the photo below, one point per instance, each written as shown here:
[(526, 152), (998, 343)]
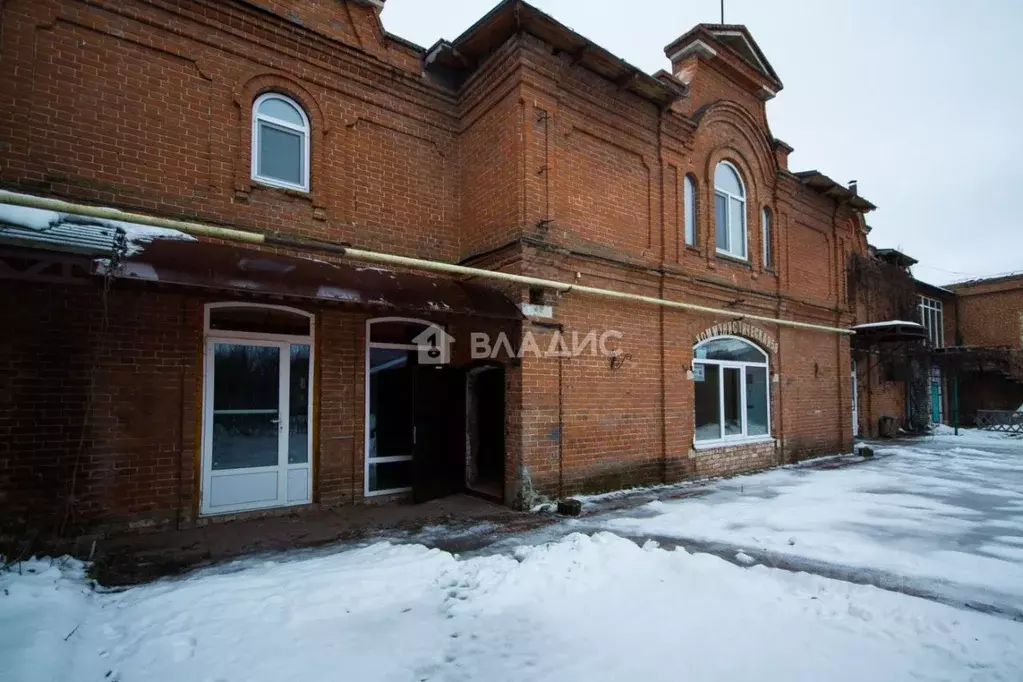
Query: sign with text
[(737, 328)]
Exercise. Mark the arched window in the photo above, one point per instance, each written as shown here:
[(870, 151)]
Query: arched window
[(280, 142), (732, 396), (765, 220), (730, 210), (689, 200)]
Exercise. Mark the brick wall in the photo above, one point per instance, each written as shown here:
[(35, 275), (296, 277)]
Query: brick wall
[(741, 458), (135, 450), (106, 104), (991, 313), (340, 346), (536, 165)]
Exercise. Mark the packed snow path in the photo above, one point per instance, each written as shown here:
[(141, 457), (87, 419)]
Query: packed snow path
[(941, 517)]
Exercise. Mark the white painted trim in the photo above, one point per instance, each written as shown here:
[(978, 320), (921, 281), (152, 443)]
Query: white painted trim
[(689, 209), (730, 443), (391, 460), (697, 47), (258, 336), (391, 491), (752, 51), (304, 130)]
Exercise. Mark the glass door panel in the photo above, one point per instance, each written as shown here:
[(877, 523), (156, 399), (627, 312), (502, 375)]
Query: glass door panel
[(391, 410), (246, 406), (391, 418), (298, 405), (731, 390), (757, 395), (708, 401)]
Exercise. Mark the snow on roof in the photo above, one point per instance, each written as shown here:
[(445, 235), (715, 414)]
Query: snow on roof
[(889, 323), (38, 227)]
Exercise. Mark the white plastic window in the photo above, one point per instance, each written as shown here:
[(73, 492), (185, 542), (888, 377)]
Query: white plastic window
[(730, 211), (280, 143)]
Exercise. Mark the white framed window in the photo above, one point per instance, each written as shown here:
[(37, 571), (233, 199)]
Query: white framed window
[(765, 221), (689, 207), (280, 142), (392, 360), (730, 211), (932, 317), (732, 397)]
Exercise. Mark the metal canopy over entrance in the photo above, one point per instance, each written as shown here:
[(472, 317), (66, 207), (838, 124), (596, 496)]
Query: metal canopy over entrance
[(231, 268)]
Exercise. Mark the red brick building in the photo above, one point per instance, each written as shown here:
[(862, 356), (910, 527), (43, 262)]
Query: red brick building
[(988, 318), (519, 148)]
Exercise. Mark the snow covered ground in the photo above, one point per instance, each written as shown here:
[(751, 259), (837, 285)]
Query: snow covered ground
[(592, 607), (941, 517)]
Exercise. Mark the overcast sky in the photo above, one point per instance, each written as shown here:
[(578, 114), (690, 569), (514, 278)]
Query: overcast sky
[(919, 100)]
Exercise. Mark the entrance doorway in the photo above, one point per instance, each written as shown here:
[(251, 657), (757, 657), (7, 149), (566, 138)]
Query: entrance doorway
[(415, 412), (484, 470), (937, 396), (257, 408)]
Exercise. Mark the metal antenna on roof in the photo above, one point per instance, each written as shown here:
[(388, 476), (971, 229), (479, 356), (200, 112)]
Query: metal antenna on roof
[(722, 12)]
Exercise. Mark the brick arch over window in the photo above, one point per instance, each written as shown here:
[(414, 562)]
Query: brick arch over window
[(245, 94), (742, 130), (727, 132)]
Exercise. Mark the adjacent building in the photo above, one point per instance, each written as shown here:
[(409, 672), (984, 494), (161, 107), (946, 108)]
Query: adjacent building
[(931, 355), (273, 321), (988, 317)]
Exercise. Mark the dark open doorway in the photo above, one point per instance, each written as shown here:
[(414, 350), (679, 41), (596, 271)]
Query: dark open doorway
[(439, 432), (484, 470)]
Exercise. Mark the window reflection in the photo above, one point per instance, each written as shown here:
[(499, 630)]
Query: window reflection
[(246, 414)]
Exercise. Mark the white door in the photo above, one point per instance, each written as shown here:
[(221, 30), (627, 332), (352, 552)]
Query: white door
[(256, 436)]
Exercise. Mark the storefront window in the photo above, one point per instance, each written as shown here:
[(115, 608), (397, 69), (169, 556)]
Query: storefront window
[(732, 397)]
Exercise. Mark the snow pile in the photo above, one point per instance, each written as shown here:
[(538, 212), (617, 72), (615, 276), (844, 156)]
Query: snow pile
[(947, 433), (887, 323), (41, 603), (932, 519), (136, 236), (592, 608)]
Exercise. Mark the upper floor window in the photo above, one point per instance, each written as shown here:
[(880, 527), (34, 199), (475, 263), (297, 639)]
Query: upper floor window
[(730, 211), (932, 317), (280, 142), (765, 219), (689, 199)]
